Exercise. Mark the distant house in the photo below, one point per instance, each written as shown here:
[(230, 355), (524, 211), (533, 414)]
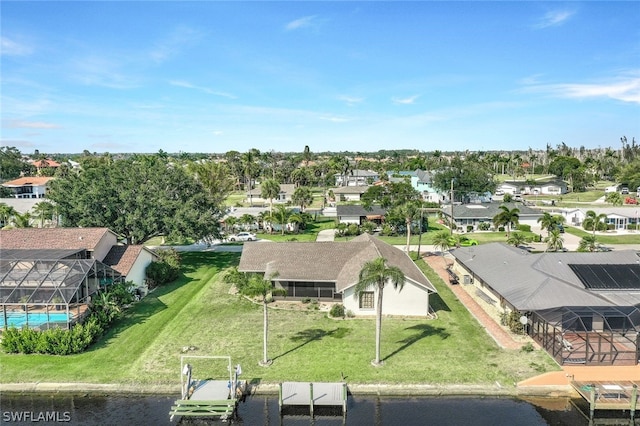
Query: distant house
[(555, 187), (329, 271), (349, 193), (358, 214), (580, 307), (357, 178), (286, 192), (29, 186), (44, 163), (617, 217), (421, 181), (474, 214)]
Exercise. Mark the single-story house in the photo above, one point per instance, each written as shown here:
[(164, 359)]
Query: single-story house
[(581, 307), (284, 196), (617, 217), (474, 214), (555, 187), (353, 213), (29, 186), (100, 244), (349, 193), (356, 178), (329, 271)]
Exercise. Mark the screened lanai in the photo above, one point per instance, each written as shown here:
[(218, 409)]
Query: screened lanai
[(48, 288), (606, 335)]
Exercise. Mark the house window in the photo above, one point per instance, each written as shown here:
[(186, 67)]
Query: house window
[(366, 300)]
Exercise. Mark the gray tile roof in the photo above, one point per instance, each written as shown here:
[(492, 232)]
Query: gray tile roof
[(338, 262), (532, 282), (358, 210), (350, 189), (488, 210)]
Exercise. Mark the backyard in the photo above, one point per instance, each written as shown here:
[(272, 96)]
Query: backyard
[(198, 311)]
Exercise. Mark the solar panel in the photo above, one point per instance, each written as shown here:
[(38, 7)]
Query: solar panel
[(608, 277)]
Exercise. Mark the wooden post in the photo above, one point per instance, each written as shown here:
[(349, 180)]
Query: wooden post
[(311, 401), (592, 401), (280, 397), (634, 401)]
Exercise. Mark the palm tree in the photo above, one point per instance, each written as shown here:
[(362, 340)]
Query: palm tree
[(587, 243), (507, 217), (516, 239), (22, 220), (6, 212), (442, 241), (262, 288), (554, 240), (43, 210), (270, 189), (247, 220), (375, 273), (593, 221), (281, 216), (302, 196), (546, 222), (408, 212)]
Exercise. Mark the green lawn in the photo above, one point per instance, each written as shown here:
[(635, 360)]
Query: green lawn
[(606, 239), (197, 310)]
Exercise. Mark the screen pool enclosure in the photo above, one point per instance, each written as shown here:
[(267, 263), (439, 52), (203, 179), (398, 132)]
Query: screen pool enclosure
[(49, 288)]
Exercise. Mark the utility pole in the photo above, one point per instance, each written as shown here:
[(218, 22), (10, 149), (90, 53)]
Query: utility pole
[(453, 221)]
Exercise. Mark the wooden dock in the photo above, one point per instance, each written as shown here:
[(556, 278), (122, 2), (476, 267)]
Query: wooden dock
[(610, 395), (313, 394)]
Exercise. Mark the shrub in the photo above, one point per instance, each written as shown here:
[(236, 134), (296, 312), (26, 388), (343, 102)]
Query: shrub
[(501, 229), (528, 347), (350, 313), (484, 226), (161, 272), (469, 228), (337, 311), (512, 321), (524, 227)]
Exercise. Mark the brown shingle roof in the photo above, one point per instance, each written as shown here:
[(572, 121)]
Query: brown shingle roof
[(51, 238), (122, 258), (339, 262)]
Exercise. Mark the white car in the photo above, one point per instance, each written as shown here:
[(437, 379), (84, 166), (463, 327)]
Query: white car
[(242, 236)]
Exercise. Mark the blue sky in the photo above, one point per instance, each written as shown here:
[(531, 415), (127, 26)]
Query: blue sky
[(208, 76)]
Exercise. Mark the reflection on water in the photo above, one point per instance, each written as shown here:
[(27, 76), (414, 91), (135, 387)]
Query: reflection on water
[(263, 410)]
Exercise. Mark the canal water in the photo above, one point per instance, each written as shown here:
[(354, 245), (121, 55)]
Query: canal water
[(263, 410)]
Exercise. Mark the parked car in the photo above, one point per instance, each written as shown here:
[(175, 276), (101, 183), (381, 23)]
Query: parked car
[(242, 236), (600, 247)]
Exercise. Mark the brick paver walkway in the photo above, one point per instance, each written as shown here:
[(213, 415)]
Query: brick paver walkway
[(502, 338)]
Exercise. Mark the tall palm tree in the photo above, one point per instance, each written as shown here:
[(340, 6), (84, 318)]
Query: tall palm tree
[(377, 274), (546, 222), (442, 241), (262, 288), (281, 216), (594, 222), (507, 217), (302, 196), (408, 211), (270, 189)]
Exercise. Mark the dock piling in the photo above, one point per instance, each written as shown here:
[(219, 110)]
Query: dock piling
[(634, 401), (311, 399)]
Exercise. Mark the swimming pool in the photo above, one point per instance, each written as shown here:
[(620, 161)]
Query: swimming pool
[(35, 319)]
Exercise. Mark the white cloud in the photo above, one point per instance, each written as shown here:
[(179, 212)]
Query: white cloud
[(304, 22), (406, 101), (23, 124), (350, 100), (217, 132), (179, 38), (626, 89), (10, 47), (335, 119), (554, 18), (187, 85)]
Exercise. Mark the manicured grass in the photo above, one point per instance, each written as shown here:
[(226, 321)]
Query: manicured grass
[(606, 239), (198, 310)]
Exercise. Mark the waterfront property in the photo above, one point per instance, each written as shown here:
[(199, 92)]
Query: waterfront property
[(582, 308), (329, 271)]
